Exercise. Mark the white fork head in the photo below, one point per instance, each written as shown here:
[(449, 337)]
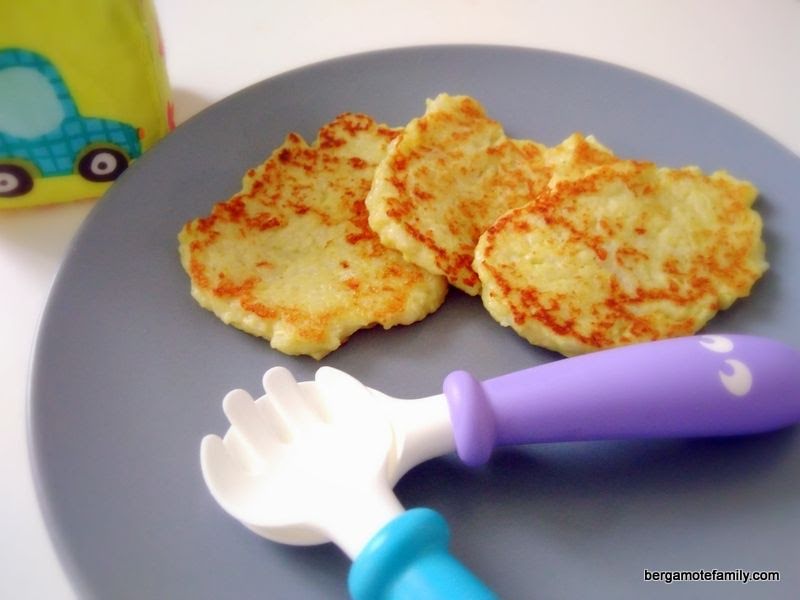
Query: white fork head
[(303, 463)]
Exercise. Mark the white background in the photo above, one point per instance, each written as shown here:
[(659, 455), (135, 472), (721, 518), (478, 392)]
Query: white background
[(741, 54)]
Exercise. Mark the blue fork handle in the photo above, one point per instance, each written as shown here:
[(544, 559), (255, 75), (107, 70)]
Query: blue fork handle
[(408, 559)]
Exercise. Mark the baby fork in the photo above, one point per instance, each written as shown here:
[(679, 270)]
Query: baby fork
[(711, 385), (298, 467)]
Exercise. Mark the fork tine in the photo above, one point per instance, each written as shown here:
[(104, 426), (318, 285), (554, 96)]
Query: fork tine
[(248, 421), (288, 398), (249, 458), (221, 471), (337, 385), (227, 479)]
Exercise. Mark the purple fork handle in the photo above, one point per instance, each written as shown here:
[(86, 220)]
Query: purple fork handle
[(710, 385)]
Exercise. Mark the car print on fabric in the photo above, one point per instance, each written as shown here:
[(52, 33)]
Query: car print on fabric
[(43, 134)]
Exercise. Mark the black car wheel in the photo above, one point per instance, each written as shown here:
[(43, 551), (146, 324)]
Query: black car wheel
[(14, 181), (102, 164)]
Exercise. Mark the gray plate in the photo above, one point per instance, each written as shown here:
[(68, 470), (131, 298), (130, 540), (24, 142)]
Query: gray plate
[(129, 372)]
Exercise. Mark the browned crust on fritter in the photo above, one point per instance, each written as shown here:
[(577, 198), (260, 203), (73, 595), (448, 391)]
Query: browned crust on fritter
[(727, 262)]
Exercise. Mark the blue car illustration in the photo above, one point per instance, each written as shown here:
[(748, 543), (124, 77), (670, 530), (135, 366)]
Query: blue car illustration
[(42, 133)]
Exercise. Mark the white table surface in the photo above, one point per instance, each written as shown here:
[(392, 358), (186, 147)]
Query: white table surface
[(741, 54)]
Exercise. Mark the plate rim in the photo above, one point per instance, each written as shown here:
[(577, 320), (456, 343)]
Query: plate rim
[(73, 573)]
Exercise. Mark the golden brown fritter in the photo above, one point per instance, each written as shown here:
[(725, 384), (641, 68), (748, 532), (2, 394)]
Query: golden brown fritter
[(291, 257), (446, 178), (629, 253)]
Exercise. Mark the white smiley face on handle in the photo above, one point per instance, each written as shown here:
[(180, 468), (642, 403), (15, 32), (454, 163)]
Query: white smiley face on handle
[(739, 381)]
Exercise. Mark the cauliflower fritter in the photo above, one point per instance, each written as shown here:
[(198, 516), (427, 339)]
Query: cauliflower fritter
[(629, 253), (291, 258)]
